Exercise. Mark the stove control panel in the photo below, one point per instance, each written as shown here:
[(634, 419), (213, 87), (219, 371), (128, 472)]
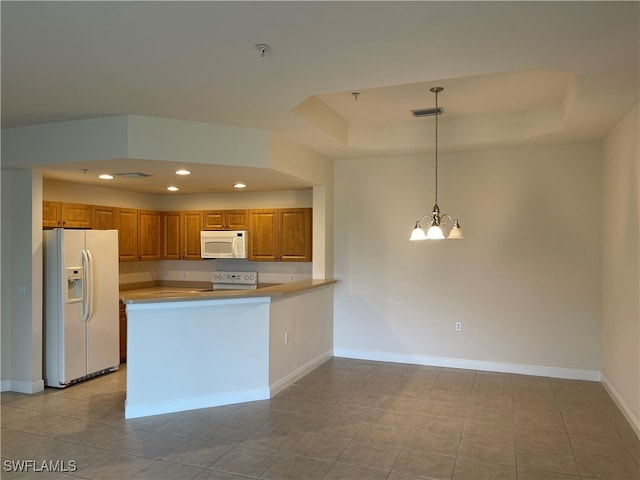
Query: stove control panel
[(243, 278)]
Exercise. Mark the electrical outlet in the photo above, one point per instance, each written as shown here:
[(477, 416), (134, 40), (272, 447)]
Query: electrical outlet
[(458, 326), (186, 274), (286, 337), (292, 277)]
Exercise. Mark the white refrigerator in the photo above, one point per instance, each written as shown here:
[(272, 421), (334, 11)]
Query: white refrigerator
[(81, 314)]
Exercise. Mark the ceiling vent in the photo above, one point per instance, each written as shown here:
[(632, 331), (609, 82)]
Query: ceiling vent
[(427, 112), (132, 175)]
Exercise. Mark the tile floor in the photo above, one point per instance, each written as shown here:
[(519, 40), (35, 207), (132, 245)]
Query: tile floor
[(348, 419)]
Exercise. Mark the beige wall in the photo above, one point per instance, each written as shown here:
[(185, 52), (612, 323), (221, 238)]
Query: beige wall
[(21, 281), (621, 266), (307, 322), (60, 191), (525, 282)]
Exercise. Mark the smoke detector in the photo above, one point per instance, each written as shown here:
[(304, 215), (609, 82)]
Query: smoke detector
[(263, 49)]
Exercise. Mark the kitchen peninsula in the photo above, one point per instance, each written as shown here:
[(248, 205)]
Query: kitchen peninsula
[(189, 349)]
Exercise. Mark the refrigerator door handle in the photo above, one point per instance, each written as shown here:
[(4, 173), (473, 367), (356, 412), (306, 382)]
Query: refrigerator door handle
[(87, 287)]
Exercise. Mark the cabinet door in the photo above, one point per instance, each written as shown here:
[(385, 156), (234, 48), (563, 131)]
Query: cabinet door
[(172, 236), (127, 234), (149, 235), (191, 223), (263, 235), (295, 234), (214, 220), (104, 218), (224, 220), (76, 215), (51, 214), (236, 219), (123, 333)]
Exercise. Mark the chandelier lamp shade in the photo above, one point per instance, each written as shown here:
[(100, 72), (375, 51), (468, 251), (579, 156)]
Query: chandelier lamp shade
[(436, 219)]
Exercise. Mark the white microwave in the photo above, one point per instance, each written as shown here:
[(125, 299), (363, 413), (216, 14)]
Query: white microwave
[(223, 244)]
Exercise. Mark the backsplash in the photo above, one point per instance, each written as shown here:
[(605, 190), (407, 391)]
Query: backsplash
[(202, 271)]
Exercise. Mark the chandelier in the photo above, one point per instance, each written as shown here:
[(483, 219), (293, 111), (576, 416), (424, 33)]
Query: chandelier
[(436, 218)]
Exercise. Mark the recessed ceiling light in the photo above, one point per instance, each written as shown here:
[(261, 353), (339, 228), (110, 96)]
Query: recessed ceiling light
[(173, 189), (105, 176), (239, 185), (182, 171)]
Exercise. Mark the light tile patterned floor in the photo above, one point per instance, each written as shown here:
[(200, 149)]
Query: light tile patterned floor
[(348, 419)]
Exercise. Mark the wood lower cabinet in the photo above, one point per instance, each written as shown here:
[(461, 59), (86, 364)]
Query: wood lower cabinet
[(65, 215), (182, 235), (280, 235), (123, 333), (150, 237), (224, 220)]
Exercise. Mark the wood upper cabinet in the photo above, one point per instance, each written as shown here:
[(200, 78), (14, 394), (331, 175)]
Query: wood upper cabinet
[(280, 235), (51, 214), (295, 234), (274, 234), (172, 249), (191, 226), (263, 235), (104, 218), (225, 220), (150, 235), (127, 234), (182, 235), (66, 215)]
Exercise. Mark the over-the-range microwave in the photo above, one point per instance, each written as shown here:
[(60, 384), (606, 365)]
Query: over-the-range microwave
[(223, 244)]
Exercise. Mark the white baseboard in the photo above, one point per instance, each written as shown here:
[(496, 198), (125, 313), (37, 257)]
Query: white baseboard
[(536, 370), (622, 405), (300, 372), (180, 405), (21, 386)]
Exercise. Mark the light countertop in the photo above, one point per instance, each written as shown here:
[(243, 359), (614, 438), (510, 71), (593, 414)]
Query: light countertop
[(160, 294)]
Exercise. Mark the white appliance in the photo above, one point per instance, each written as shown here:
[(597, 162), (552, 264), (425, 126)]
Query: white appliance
[(81, 314), (235, 280), (223, 244)]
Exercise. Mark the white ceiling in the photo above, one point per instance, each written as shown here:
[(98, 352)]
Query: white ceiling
[(514, 73)]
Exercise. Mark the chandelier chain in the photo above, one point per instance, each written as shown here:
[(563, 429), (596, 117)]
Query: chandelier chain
[(436, 145)]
